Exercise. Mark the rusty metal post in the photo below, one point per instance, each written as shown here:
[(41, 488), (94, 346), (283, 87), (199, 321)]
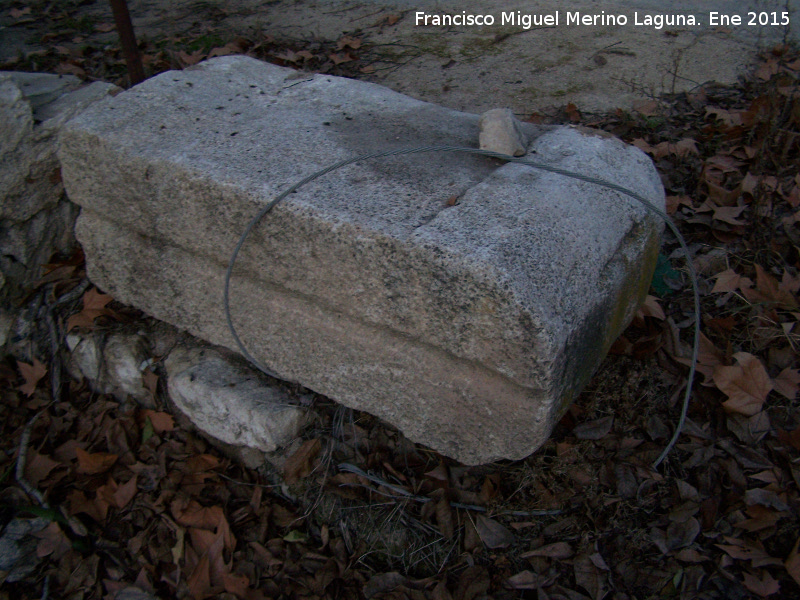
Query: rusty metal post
[(127, 38)]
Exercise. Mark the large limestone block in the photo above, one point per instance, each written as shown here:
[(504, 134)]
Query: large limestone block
[(470, 327)]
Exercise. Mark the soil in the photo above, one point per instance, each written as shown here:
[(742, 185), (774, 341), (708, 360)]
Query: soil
[(597, 68)]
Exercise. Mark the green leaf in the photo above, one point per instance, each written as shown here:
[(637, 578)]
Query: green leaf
[(663, 275), (295, 536), (147, 431)]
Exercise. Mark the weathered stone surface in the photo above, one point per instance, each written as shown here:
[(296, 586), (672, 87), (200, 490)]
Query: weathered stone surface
[(35, 219), (230, 401), (502, 132), (113, 364), (470, 327)]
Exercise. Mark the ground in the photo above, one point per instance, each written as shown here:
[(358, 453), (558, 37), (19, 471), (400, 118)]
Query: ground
[(132, 498)]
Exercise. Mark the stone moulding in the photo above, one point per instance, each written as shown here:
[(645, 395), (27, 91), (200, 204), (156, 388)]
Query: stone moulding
[(470, 327)]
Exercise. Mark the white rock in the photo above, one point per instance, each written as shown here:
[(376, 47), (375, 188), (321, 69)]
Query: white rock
[(35, 219), (112, 364), (229, 400), (502, 132)]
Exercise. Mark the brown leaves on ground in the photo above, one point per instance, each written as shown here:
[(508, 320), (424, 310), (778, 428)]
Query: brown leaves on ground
[(301, 463), (32, 374), (92, 464), (492, 533), (680, 148), (94, 307), (746, 384)]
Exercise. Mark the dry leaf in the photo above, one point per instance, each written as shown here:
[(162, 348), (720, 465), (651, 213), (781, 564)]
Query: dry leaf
[(444, 517), (746, 384), (199, 582), (104, 27), (766, 498), (757, 556), (792, 438), (125, 493), (681, 534), (651, 308), (674, 202), (729, 117), (301, 463), (79, 503), (38, 467), (238, 585), (340, 57), (762, 518), (32, 374), (92, 464), (526, 580), (681, 148), (67, 68), (52, 542), (767, 69), (573, 113), (472, 539), (766, 586), (728, 214), (383, 583), (594, 430), (150, 382), (201, 463), (792, 563), (94, 306), (768, 291), (587, 575), (162, 422), (439, 473), (493, 534), (691, 556), (187, 60), (730, 281), (235, 47), (104, 498), (348, 42), (209, 518), (473, 583), (558, 550)]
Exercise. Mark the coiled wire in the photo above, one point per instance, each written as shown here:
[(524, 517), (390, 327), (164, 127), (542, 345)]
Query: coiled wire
[(522, 161)]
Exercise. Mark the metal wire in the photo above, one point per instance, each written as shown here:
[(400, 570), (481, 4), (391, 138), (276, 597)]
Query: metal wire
[(522, 161)]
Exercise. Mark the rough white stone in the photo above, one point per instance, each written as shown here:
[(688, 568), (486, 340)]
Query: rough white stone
[(112, 364), (35, 220), (470, 327), (502, 132), (229, 400)]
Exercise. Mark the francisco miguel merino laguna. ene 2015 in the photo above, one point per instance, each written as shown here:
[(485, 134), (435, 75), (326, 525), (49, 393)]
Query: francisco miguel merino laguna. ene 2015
[(572, 18)]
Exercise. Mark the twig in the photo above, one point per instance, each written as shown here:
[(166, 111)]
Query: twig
[(55, 356), (347, 467), (73, 294), (22, 456), (54, 333)]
